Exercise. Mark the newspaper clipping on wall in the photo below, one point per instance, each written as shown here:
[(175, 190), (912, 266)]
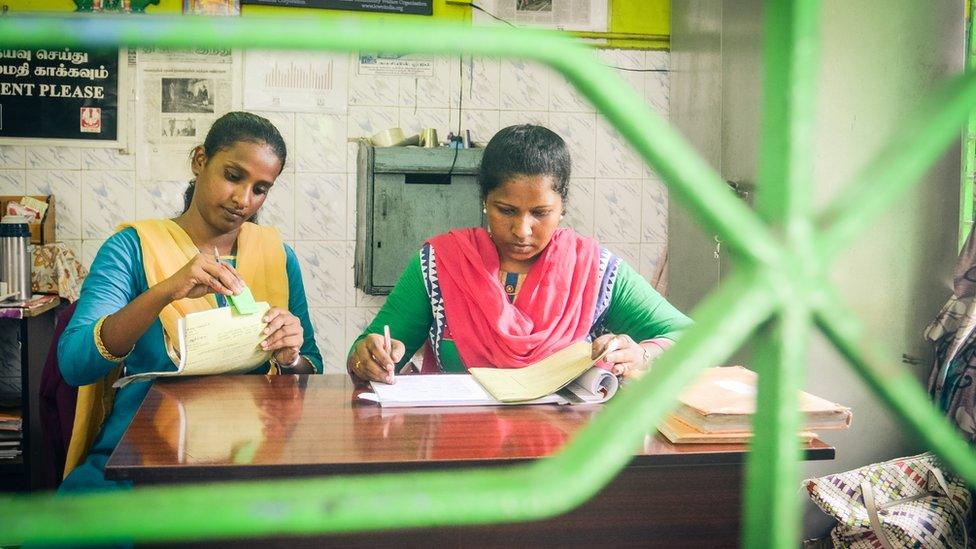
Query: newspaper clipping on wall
[(181, 93), (578, 15)]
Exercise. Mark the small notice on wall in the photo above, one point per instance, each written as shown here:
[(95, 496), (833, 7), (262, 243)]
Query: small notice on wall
[(68, 93), (416, 7), (396, 65)]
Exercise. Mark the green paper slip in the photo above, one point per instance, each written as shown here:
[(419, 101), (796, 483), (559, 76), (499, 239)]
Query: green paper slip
[(244, 303)]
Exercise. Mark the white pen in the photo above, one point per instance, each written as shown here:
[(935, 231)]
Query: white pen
[(388, 347)]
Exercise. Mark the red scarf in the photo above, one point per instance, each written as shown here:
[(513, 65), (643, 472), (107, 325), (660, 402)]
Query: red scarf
[(554, 307)]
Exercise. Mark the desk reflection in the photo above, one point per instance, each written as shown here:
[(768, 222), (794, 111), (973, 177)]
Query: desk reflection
[(233, 423), (468, 433)]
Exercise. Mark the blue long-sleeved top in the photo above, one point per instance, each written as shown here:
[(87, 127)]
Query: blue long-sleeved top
[(117, 276)]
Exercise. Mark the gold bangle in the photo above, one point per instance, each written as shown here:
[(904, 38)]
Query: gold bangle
[(101, 346)]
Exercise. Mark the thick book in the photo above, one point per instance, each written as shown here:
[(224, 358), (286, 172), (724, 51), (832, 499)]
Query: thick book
[(215, 341), (679, 432), (566, 377), (723, 400)]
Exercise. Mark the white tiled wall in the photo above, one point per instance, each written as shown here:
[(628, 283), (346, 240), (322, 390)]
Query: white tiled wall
[(613, 196)]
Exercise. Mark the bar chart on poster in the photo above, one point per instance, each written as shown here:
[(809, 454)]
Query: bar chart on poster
[(290, 81)]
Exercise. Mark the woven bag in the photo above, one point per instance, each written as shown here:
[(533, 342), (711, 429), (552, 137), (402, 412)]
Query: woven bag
[(905, 502)]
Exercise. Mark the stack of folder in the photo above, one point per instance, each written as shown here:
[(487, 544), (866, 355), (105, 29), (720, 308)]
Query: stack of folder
[(11, 433), (718, 409)]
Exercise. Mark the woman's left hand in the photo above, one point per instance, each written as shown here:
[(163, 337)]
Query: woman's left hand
[(628, 360), (285, 335)]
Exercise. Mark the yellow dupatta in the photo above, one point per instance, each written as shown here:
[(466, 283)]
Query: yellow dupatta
[(166, 248)]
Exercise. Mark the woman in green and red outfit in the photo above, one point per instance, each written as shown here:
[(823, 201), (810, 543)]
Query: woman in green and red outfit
[(521, 290)]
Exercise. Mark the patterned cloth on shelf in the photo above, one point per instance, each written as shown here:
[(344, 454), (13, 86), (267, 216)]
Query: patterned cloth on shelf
[(906, 502), (56, 270)]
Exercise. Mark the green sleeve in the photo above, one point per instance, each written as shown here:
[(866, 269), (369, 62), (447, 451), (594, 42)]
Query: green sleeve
[(636, 309), (406, 311)]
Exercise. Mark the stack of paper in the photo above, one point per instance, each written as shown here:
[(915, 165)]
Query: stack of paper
[(11, 433), (718, 408)]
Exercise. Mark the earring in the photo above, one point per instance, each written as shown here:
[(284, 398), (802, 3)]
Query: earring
[(484, 211)]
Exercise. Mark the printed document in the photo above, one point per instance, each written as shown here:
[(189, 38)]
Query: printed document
[(216, 341)]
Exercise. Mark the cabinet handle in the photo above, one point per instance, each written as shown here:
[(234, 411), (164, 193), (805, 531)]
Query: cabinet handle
[(383, 203)]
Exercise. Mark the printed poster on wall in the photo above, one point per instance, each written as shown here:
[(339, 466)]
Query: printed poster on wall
[(295, 81), (67, 93), (415, 7)]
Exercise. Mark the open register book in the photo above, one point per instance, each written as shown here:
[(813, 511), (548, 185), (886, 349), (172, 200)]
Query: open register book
[(216, 341), (566, 377)]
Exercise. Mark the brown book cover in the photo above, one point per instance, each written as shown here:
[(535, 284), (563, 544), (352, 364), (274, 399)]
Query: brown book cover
[(723, 400), (679, 432)]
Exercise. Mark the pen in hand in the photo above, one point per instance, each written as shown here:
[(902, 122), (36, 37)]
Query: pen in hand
[(388, 348), (219, 262)]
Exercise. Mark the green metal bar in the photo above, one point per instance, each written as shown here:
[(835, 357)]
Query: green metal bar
[(690, 179), (966, 191), (791, 45), (772, 501), (895, 385), (911, 152), (341, 504)]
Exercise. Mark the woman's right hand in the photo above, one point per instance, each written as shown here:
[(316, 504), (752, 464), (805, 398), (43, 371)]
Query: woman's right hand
[(371, 362), (200, 276)]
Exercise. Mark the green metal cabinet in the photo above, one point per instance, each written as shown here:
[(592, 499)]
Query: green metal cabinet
[(405, 195)]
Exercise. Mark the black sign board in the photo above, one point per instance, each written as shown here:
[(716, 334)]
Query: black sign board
[(416, 7), (60, 93)]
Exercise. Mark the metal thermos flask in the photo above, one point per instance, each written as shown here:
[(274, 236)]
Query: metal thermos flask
[(15, 256)]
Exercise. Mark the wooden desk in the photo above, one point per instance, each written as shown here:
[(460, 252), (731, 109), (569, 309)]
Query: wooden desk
[(255, 426)]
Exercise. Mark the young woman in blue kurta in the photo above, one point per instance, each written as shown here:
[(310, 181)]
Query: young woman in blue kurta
[(117, 314)]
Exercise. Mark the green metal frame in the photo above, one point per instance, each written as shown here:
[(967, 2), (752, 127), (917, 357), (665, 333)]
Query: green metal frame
[(776, 293)]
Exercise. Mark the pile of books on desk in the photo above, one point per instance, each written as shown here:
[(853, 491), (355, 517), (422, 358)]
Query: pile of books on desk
[(718, 409), (11, 433)]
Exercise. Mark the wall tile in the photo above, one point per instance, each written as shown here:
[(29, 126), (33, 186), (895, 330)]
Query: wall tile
[(53, 158), (657, 93), (285, 122), (614, 156), (580, 210), (107, 199), (652, 264), (66, 186), (107, 159), (413, 120), (357, 318), (512, 118), (159, 199), (563, 97), (324, 266), (13, 157), (657, 60), (433, 91), (482, 123), (617, 214), (351, 182), (479, 83), (654, 211), (330, 336), (13, 182), (279, 208), (366, 89), (89, 248), (320, 206), (524, 86), (319, 143), (364, 122), (628, 251), (579, 132)]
